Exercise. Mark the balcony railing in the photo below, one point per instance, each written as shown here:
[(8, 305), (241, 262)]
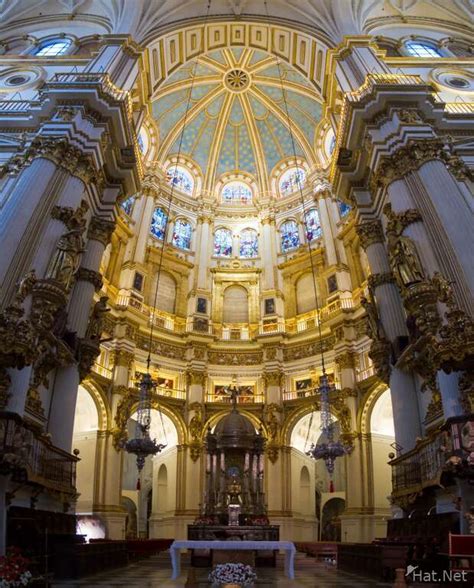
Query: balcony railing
[(419, 467), (294, 394), (362, 375), (160, 318), (170, 392), (242, 399), (23, 453)]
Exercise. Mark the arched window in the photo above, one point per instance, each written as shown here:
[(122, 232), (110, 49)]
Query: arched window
[(236, 193), (248, 243), (180, 178), (158, 223), (53, 48), (127, 205), (420, 49), (223, 243), (344, 209), (182, 234), (313, 225), (291, 181), (289, 236)]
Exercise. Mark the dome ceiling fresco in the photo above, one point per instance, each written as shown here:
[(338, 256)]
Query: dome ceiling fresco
[(237, 119)]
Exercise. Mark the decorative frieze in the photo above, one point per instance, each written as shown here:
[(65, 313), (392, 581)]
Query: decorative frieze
[(308, 350), (123, 358), (370, 232), (235, 358), (376, 280), (163, 349)]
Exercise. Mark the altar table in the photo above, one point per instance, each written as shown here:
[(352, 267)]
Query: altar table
[(286, 546)]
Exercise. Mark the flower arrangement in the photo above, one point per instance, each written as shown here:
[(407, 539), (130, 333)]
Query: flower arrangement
[(14, 569), (233, 573), (259, 520), (204, 520)]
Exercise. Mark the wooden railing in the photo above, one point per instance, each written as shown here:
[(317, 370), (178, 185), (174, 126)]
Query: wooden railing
[(24, 453)]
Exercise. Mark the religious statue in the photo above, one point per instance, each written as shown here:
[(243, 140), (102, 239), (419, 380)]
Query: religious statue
[(375, 329), (234, 490), (70, 245), (196, 423), (402, 253), (25, 286), (443, 288), (96, 322), (271, 421)]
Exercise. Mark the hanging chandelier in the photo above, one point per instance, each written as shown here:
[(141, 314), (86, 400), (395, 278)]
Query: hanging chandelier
[(142, 445), (326, 448)]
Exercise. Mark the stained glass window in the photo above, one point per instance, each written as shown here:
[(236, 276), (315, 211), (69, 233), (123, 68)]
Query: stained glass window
[(223, 243), (182, 234), (158, 223), (141, 144), (236, 193), (127, 205), (313, 225), (418, 49), (180, 178), (292, 180), (53, 48), (289, 236), (344, 209), (248, 243)]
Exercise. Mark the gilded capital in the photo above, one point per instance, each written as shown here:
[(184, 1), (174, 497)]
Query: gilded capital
[(101, 229), (87, 275), (370, 233), (375, 280), (123, 358), (345, 360)]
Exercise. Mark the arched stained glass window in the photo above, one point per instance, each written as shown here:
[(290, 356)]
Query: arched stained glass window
[(53, 48), (223, 243), (158, 223), (420, 49), (182, 234), (180, 178), (289, 236), (248, 243), (313, 225), (127, 205), (236, 193), (291, 181), (344, 209)]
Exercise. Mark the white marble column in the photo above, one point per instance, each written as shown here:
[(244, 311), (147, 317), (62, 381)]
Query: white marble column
[(204, 239), (268, 252)]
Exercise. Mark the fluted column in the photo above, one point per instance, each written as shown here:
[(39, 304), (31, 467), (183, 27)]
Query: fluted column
[(204, 239), (268, 252), (143, 223), (402, 385), (66, 382)]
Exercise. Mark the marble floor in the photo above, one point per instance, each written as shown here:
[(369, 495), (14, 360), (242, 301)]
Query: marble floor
[(156, 572)]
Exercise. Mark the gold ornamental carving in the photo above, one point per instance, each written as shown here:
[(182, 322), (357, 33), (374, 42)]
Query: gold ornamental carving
[(88, 275), (376, 280), (196, 378), (272, 378), (196, 425), (412, 156), (123, 358), (271, 417), (89, 345), (308, 350), (370, 232), (236, 358), (124, 411), (346, 360)]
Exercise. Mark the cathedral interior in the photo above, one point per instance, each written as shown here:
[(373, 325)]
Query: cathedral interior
[(236, 275)]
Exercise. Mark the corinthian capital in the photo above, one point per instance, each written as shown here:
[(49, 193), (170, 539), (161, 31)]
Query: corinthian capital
[(101, 229), (369, 233)]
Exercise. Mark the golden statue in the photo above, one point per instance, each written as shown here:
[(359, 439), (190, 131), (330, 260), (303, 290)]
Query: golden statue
[(96, 322), (402, 253), (70, 245)]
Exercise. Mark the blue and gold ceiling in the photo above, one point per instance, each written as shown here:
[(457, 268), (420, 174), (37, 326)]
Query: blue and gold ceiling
[(237, 117)]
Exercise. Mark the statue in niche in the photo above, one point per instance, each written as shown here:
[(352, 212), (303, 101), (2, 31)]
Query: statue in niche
[(96, 322), (402, 253), (70, 245), (196, 423)]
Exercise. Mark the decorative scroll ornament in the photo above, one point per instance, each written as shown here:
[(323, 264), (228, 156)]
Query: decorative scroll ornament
[(196, 427), (272, 423), (380, 348), (370, 233)]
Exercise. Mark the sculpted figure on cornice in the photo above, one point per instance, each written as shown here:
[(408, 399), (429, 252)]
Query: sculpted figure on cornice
[(272, 423), (402, 253), (97, 319), (196, 425), (70, 246)]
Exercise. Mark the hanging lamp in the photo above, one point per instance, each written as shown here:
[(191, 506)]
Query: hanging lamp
[(327, 448)]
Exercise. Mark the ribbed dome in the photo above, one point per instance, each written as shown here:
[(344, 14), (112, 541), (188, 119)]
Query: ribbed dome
[(235, 430)]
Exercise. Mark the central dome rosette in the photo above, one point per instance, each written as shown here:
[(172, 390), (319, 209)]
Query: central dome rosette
[(237, 116), (237, 80)]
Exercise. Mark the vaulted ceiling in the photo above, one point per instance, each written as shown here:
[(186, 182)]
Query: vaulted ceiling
[(239, 103)]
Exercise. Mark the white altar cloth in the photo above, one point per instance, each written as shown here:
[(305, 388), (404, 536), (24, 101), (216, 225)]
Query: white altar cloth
[(286, 546)]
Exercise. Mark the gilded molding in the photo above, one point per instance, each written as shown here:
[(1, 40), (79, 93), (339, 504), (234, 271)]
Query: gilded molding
[(370, 232), (345, 360), (88, 275), (235, 358), (411, 157), (101, 230), (272, 378), (123, 358)]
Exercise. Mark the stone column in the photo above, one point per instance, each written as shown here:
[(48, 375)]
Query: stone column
[(110, 458), (66, 382), (204, 240), (402, 386), (268, 252), (143, 223), (196, 385)]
